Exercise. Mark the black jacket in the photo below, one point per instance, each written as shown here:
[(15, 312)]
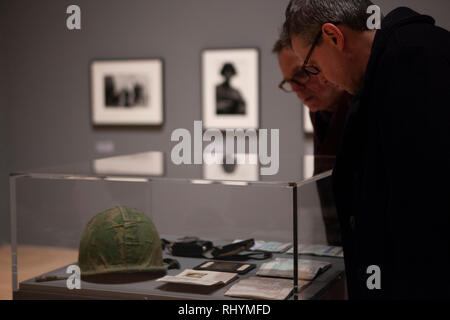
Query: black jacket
[(329, 127), (328, 130), (392, 175)]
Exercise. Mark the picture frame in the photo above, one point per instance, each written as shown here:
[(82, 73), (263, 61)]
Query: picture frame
[(150, 163), (307, 123), (230, 88), (127, 92)]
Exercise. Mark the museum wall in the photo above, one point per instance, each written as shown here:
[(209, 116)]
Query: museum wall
[(438, 9), (47, 68), (4, 211), (4, 199), (49, 73), (4, 190), (50, 88)]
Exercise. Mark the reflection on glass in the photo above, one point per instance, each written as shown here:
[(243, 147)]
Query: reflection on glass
[(146, 163), (233, 167)]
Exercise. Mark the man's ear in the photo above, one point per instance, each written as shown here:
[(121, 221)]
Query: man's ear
[(333, 34)]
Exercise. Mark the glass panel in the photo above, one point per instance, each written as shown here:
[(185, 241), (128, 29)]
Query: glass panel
[(51, 214), (319, 237), (156, 165), (51, 207)]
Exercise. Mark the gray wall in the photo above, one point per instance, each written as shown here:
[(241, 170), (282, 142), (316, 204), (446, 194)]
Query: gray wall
[(47, 71), (4, 211), (438, 9), (50, 76), (4, 155)]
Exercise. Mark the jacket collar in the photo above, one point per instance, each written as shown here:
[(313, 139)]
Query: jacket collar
[(398, 17), (402, 16)]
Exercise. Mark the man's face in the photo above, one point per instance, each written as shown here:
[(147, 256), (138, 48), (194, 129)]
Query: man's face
[(318, 93), (327, 59)]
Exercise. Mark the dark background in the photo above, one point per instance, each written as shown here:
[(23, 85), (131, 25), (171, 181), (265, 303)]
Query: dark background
[(44, 73)]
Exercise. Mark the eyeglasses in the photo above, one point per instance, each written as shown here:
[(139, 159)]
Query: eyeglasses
[(312, 69), (302, 77)]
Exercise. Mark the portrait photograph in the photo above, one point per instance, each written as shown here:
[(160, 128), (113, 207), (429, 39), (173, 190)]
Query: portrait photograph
[(230, 88), (127, 92)]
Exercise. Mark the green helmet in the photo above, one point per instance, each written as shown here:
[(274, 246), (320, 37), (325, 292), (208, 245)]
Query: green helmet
[(122, 240)]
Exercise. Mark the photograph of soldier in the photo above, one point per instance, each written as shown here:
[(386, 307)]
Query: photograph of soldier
[(126, 90), (228, 99)]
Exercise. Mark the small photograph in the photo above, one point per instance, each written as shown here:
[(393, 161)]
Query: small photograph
[(127, 92), (230, 88), (195, 275)]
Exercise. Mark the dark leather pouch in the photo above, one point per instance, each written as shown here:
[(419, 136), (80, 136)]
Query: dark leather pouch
[(192, 248)]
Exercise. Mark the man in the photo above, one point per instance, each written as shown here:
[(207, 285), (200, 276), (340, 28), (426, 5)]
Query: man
[(327, 103), (328, 107), (229, 100), (392, 170)]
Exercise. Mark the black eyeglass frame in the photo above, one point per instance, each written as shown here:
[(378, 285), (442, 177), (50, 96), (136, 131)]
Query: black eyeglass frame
[(306, 69), (312, 69)]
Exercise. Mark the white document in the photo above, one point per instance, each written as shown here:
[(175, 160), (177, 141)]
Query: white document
[(284, 268), (319, 250), (269, 246), (263, 288), (200, 277)]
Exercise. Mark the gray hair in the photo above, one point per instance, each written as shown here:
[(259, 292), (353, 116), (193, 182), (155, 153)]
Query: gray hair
[(306, 17), (283, 42)]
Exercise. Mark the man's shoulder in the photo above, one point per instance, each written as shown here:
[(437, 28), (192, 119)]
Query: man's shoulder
[(417, 46), (416, 31), (407, 40)]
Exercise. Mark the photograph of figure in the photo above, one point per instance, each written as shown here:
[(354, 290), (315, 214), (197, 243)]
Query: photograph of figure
[(229, 100), (127, 92), (230, 88)]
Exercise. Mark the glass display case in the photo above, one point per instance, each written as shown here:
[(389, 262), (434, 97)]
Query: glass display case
[(51, 207)]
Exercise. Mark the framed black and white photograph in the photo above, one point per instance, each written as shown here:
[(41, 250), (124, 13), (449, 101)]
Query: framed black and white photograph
[(230, 88), (127, 92)]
